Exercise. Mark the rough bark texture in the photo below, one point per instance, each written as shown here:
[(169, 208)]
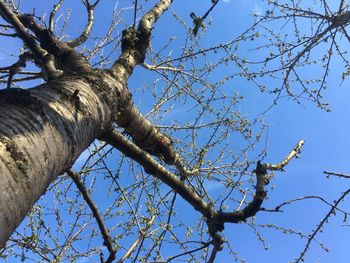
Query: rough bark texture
[(42, 132), (134, 46)]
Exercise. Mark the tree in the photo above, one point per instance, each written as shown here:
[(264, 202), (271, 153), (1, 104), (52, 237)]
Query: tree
[(85, 106)]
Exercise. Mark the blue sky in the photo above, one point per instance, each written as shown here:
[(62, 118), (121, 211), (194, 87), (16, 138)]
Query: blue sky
[(325, 133)]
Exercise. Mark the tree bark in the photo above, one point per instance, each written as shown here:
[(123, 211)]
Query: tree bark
[(43, 130)]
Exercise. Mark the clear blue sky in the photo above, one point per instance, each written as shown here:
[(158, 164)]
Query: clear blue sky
[(326, 134)]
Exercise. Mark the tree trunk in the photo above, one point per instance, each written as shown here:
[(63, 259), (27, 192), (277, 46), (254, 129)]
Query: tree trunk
[(43, 130)]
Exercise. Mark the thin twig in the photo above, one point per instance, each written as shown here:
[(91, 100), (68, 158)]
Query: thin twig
[(143, 234), (319, 226), (337, 174)]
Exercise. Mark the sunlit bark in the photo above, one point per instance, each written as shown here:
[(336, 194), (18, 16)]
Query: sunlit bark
[(42, 132)]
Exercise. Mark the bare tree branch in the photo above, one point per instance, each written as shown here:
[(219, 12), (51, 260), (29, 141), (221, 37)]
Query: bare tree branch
[(337, 174), (199, 21), (16, 67), (87, 30), (55, 9), (141, 237), (215, 219), (11, 18), (312, 236), (40, 55), (285, 161), (107, 239), (135, 42)]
